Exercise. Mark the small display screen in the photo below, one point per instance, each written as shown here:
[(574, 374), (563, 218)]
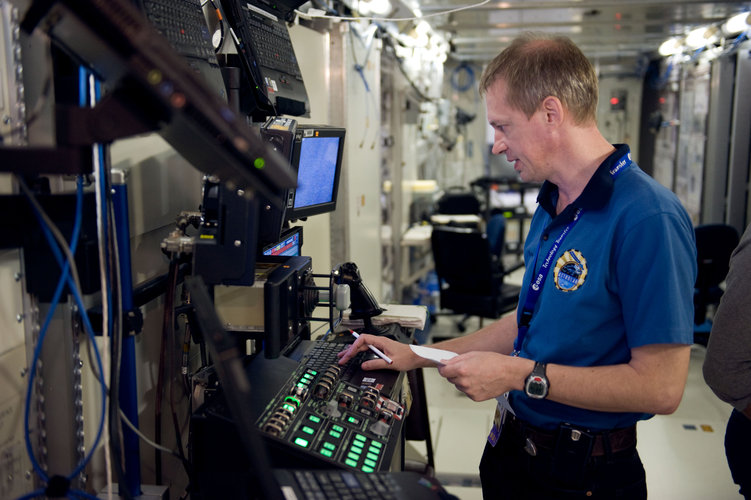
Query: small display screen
[(288, 246), (317, 171)]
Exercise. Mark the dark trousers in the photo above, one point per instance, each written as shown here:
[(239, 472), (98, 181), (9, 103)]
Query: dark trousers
[(507, 471), (738, 451)]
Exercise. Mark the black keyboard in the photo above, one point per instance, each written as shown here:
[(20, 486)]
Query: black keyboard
[(183, 24), (324, 354), (272, 45), (336, 484)]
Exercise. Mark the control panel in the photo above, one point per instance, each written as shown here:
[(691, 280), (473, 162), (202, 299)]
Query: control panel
[(342, 416)]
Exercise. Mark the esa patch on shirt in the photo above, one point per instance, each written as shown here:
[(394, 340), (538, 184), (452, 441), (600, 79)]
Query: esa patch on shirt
[(570, 271)]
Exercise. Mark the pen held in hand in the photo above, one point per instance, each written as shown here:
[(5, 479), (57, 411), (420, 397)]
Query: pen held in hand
[(374, 349)]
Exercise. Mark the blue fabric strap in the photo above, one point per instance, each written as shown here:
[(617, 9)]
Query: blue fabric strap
[(536, 284)]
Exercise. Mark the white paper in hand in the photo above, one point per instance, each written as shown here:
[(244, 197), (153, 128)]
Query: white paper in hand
[(433, 354)]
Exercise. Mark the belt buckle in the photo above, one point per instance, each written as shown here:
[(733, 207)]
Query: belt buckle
[(530, 448)]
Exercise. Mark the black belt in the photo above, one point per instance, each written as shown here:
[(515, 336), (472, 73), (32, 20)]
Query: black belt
[(612, 441)]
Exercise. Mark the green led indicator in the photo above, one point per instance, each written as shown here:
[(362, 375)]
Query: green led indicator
[(303, 443), (335, 435), (376, 444), (314, 418), (372, 456), (352, 420), (353, 456), (329, 446), (308, 430), (360, 437), (327, 453), (289, 407), (370, 463), (374, 450), (365, 468), (259, 163), (351, 463), (338, 428), (356, 449)]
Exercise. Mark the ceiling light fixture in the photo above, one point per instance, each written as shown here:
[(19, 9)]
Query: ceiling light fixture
[(670, 47), (737, 23)]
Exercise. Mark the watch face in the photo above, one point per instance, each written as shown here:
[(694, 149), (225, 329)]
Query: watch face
[(536, 387)]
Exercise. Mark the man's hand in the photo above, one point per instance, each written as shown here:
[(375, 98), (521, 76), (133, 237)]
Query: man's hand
[(402, 356), (485, 375)]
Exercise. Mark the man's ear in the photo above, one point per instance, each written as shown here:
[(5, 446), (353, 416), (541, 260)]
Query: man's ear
[(553, 109)]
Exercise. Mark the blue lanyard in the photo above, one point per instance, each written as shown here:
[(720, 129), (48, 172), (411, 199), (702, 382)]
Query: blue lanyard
[(536, 284)]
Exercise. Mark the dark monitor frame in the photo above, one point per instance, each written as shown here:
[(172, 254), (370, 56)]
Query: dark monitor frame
[(304, 134)]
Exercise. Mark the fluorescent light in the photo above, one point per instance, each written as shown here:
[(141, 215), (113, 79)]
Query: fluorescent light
[(670, 46), (696, 38), (737, 23)]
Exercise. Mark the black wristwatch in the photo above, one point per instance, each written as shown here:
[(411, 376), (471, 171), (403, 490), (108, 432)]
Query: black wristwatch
[(536, 385)]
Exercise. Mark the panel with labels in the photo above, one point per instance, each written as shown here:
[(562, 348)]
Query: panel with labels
[(339, 415)]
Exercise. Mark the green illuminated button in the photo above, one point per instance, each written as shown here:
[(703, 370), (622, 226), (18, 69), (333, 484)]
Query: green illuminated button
[(370, 463), (372, 456), (327, 453), (355, 448), (311, 372), (290, 408), (307, 430), (365, 468), (353, 456), (303, 443), (360, 437), (329, 446), (335, 435), (337, 428), (351, 463), (376, 444), (314, 418), (374, 450)]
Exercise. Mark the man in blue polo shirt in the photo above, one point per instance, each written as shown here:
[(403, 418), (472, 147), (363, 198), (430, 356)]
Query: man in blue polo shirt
[(602, 334)]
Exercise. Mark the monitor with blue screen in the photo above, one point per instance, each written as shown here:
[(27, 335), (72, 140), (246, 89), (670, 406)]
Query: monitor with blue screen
[(317, 157)]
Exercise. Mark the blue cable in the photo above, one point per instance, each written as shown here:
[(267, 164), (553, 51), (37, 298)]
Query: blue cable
[(42, 333), (87, 327), (466, 68), (65, 277), (33, 494)]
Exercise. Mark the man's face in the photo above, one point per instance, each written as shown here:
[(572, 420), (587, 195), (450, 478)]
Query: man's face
[(521, 139)]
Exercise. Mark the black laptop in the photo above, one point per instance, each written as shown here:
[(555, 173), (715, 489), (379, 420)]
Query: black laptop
[(183, 23), (266, 54), (300, 484)]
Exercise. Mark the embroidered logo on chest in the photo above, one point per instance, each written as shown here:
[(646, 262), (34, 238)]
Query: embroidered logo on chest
[(570, 271)]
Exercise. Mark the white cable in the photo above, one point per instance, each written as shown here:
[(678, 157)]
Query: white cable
[(96, 157), (414, 18), (148, 441)]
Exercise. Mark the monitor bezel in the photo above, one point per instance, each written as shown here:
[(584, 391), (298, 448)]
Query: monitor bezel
[(311, 132)]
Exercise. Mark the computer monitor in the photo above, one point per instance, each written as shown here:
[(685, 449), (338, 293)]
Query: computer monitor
[(290, 244), (317, 158)]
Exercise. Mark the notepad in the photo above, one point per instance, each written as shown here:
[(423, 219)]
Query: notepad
[(433, 354)]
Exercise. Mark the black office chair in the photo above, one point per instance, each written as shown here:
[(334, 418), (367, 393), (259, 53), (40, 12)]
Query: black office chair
[(457, 200), (471, 276), (714, 245)]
